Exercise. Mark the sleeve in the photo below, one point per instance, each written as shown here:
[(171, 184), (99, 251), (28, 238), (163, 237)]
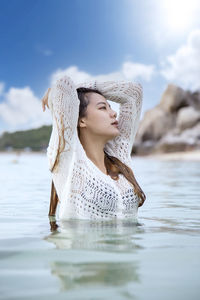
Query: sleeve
[(129, 95), (64, 106)]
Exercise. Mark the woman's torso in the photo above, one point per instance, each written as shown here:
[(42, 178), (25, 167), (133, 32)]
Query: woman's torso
[(88, 193)]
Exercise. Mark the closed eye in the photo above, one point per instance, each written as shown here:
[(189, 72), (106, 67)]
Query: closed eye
[(103, 107)]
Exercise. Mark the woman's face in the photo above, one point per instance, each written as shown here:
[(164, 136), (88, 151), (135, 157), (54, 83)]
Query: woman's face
[(99, 117)]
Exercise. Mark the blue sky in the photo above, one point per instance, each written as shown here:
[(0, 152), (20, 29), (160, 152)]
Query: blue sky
[(152, 42)]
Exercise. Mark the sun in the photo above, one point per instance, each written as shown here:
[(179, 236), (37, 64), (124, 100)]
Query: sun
[(179, 14)]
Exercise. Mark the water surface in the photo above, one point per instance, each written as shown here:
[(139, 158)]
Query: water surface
[(155, 257)]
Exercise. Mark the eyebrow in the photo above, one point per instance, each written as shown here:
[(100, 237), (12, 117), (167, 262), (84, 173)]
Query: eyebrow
[(103, 103)]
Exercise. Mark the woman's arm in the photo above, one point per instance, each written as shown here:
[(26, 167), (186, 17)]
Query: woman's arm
[(129, 96), (64, 105)]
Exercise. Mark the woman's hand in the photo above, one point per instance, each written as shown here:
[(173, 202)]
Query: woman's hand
[(45, 99)]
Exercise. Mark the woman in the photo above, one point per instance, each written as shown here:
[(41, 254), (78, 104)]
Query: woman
[(89, 151)]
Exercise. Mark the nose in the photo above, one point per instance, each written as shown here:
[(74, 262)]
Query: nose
[(113, 113)]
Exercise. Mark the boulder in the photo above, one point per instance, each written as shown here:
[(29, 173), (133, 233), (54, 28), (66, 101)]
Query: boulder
[(187, 117), (188, 139), (173, 99), (195, 100), (155, 124), (173, 125), (143, 148)]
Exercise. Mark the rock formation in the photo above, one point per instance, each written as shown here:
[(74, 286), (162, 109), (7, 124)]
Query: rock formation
[(173, 125)]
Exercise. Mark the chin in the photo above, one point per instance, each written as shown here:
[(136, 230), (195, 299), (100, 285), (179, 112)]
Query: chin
[(113, 135), (117, 133)]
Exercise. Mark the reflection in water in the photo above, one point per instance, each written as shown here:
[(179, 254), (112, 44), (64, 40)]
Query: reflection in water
[(53, 225), (95, 274), (114, 237)]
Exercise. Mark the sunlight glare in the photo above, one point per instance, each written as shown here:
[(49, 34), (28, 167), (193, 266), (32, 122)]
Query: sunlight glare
[(179, 14)]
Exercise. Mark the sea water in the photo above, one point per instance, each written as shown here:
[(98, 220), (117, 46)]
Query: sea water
[(157, 257)]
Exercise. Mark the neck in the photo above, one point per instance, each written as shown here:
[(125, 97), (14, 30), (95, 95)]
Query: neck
[(94, 148)]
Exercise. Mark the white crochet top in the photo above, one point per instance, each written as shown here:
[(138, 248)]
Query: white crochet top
[(84, 191)]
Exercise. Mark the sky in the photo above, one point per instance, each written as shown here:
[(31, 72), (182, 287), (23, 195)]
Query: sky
[(152, 42)]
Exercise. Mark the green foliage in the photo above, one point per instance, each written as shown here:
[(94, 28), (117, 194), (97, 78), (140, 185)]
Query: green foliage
[(36, 139)]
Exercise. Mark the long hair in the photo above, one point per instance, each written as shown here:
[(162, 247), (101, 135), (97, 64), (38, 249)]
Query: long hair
[(113, 165)]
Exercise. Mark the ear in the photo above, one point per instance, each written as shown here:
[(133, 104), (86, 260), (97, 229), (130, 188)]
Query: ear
[(82, 123)]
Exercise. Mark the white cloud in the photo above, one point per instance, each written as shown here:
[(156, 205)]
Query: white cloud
[(133, 71), (73, 72), (21, 109), (183, 67), (129, 71)]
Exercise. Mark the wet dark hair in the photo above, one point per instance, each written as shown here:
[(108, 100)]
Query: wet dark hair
[(113, 165)]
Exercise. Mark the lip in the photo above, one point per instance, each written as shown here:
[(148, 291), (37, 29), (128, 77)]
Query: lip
[(115, 123)]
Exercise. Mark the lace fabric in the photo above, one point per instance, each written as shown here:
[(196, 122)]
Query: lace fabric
[(84, 191)]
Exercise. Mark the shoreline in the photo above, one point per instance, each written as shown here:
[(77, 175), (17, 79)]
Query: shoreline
[(193, 155)]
